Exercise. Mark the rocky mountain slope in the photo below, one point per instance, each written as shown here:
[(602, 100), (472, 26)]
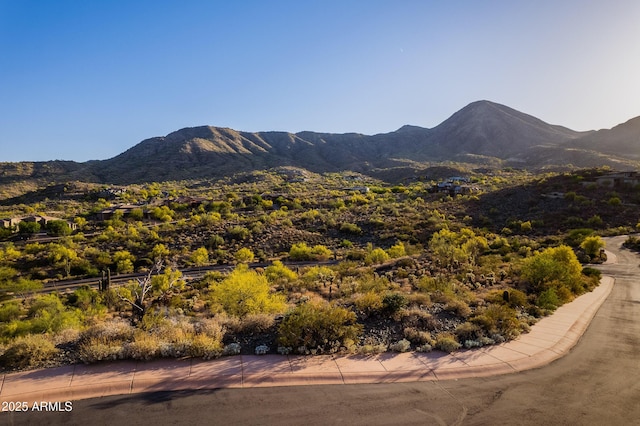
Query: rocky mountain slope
[(483, 132)]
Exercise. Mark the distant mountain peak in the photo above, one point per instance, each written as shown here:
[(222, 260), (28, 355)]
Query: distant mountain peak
[(483, 132)]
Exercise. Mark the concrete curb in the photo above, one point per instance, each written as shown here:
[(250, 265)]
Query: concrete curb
[(548, 340)]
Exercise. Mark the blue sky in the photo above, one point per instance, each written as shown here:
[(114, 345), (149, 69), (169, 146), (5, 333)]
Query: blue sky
[(83, 80)]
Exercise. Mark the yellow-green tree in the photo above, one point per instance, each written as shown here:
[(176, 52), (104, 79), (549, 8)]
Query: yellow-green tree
[(124, 261), (463, 246), (244, 255), (397, 250), (62, 256), (278, 272), (200, 257), (592, 245), (246, 292), (556, 267), (159, 252)]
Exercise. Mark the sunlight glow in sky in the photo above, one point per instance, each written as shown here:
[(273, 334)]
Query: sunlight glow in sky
[(83, 80)]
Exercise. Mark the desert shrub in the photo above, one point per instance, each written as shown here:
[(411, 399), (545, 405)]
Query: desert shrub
[(614, 201), (321, 253), (104, 341), (368, 303), (320, 327), (632, 242), (548, 299), (368, 283), (419, 299), (239, 233), (244, 255), (464, 246), (301, 252), (593, 277), (317, 275), (418, 337), (468, 331), (85, 298), (232, 349), (350, 228), (246, 292), (525, 226), (401, 346), (28, 351), (113, 330), (498, 319), (199, 257), (376, 256), (10, 311), (256, 323), (447, 342), (393, 302), (577, 236), (397, 250), (514, 298), (145, 346), (278, 273), (458, 307), (356, 255), (205, 346), (95, 350), (417, 318), (346, 244), (46, 314)]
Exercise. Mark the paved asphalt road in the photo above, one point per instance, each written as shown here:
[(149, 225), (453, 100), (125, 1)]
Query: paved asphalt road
[(597, 383)]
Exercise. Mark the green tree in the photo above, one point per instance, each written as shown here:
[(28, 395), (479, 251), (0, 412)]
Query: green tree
[(246, 292), (28, 228), (58, 228)]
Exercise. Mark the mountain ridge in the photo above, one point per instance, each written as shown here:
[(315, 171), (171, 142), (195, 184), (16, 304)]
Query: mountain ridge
[(483, 132)]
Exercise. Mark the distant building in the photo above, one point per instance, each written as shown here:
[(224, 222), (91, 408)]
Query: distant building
[(125, 209), (616, 180), (360, 189), (42, 220), (454, 185)]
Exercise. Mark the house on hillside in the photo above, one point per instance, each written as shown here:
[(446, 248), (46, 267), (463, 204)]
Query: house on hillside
[(617, 180), (454, 186), (40, 219), (44, 220), (125, 209), (9, 222)]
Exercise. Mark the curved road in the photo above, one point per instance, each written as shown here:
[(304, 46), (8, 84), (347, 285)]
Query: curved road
[(597, 383)]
